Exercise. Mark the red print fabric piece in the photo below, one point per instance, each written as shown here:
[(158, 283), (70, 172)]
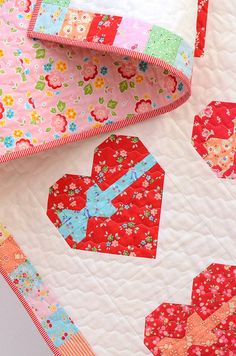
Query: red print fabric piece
[(206, 327), (118, 208), (103, 29), (201, 27), (214, 137)]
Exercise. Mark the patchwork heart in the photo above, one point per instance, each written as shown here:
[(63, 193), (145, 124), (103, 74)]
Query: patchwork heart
[(116, 210), (206, 327), (214, 137)]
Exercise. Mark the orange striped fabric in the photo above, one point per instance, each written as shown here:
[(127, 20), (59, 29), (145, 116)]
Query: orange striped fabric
[(76, 346)]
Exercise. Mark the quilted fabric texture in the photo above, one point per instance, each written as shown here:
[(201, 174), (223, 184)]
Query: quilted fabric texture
[(53, 94), (109, 296), (206, 327), (116, 210), (214, 137)]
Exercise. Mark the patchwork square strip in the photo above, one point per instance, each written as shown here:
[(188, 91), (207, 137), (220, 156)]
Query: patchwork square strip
[(50, 318)]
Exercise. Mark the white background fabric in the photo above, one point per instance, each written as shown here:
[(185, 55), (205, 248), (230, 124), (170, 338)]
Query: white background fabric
[(109, 296)]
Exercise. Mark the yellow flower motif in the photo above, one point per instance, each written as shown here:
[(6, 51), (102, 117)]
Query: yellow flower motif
[(96, 60), (28, 16), (2, 123), (71, 113), (2, 2), (97, 125), (139, 78), (49, 93), (35, 117), (8, 100), (27, 60), (1, 51), (147, 96), (34, 140), (53, 308), (61, 66), (17, 133), (99, 83), (28, 94)]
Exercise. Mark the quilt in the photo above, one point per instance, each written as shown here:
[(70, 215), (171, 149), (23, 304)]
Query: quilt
[(182, 300)]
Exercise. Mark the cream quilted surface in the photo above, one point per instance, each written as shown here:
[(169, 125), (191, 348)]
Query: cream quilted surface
[(109, 296)]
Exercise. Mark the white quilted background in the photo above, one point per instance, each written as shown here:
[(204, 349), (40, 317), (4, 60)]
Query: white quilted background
[(109, 296)]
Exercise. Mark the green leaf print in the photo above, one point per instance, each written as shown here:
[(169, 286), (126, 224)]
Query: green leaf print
[(88, 90), (40, 53), (40, 85), (36, 45), (123, 86), (80, 83), (53, 110), (132, 84), (101, 100), (61, 105), (112, 104)]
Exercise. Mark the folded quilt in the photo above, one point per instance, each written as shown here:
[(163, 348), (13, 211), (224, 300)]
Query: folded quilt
[(133, 62)]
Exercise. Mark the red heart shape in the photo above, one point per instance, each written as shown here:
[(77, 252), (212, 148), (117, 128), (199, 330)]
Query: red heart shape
[(117, 209), (206, 327)]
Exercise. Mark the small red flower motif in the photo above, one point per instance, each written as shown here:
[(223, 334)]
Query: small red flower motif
[(143, 106), (23, 5), (127, 70), (1, 110), (170, 83), (100, 113), (54, 80), (89, 71), (59, 123), (23, 144)]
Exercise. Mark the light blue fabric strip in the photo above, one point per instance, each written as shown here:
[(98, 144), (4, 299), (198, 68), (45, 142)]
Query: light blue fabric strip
[(99, 203)]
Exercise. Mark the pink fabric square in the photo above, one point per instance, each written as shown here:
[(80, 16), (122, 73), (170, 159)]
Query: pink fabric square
[(127, 34)]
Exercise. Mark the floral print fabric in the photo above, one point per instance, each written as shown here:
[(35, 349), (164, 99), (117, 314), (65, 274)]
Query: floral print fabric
[(51, 93), (214, 137), (130, 181), (206, 327), (52, 317)]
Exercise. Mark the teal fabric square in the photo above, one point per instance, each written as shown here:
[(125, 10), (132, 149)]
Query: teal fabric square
[(184, 59), (26, 278), (59, 327), (60, 3), (163, 44), (50, 19)]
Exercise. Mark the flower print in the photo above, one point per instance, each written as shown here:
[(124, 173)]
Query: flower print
[(139, 79), (8, 141), (10, 114), (97, 168), (208, 111), (18, 133), (1, 53), (86, 17), (67, 29), (1, 110), (70, 113), (114, 243), (35, 118), (148, 246), (72, 127), (127, 70), (47, 67), (54, 80), (72, 186), (99, 83), (100, 113), (128, 231), (180, 87), (139, 196), (61, 66), (60, 206), (23, 144), (89, 71), (103, 70), (81, 29), (23, 5), (143, 66), (8, 100), (59, 123), (143, 106), (170, 83)]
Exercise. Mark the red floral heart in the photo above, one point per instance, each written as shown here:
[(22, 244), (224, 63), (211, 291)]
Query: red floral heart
[(206, 327), (117, 209)]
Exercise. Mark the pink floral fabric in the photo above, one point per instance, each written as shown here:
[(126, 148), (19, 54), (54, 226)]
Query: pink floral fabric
[(49, 92)]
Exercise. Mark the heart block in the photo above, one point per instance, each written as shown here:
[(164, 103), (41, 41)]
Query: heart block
[(206, 327), (116, 210)]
